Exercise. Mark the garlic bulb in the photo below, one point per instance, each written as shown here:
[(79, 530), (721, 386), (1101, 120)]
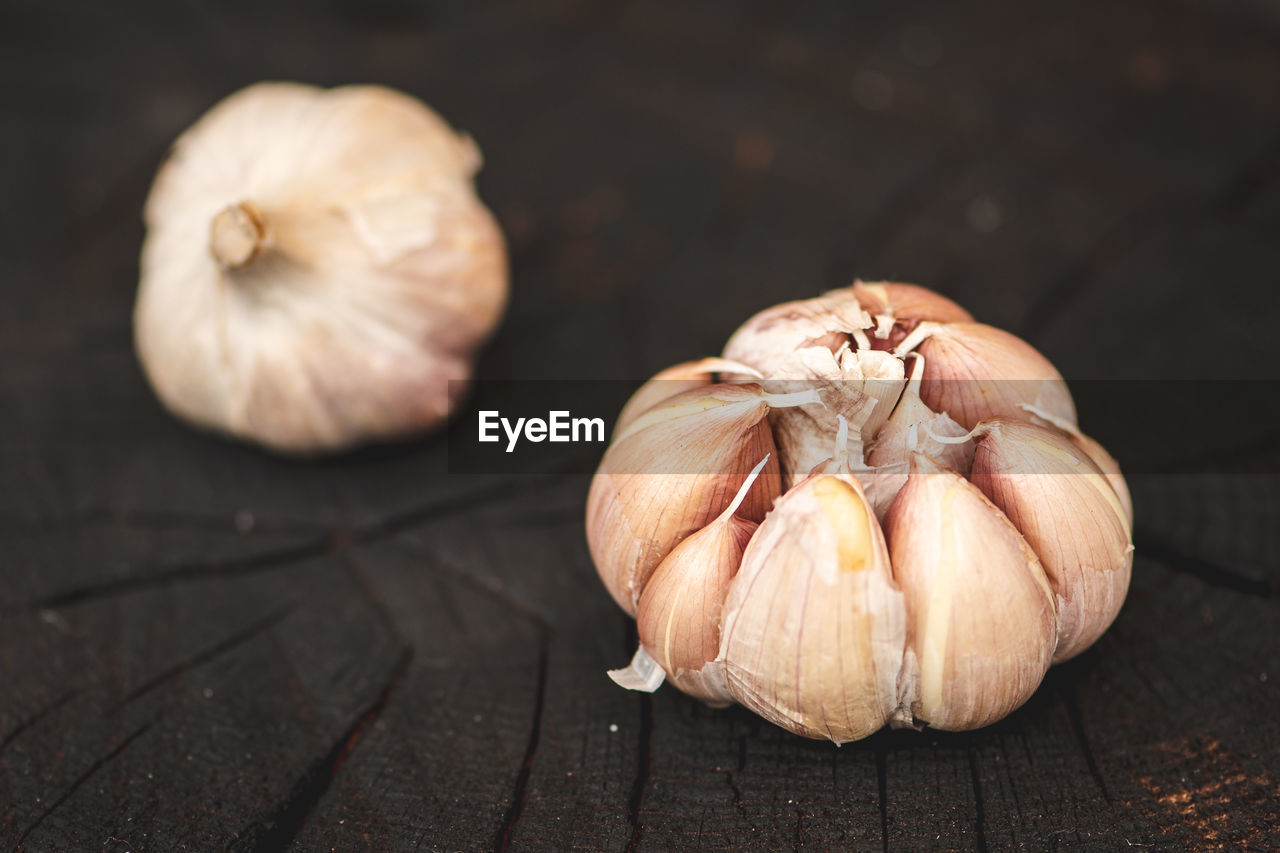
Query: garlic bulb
[(318, 269), (927, 529)]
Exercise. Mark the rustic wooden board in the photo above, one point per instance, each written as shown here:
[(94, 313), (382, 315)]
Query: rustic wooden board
[(205, 648)]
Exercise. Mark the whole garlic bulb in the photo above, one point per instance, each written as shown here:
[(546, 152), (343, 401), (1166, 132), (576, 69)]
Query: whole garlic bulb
[(940, 529), (317, 268)]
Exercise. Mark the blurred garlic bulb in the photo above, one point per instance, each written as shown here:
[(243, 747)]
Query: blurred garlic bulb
[(317, 268), (941, 530)]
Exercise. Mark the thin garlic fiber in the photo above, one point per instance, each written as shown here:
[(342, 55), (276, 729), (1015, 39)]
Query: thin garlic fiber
[(317, 268), (930, 532)]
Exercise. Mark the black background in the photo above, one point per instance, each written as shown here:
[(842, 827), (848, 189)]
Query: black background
[(205, 648)]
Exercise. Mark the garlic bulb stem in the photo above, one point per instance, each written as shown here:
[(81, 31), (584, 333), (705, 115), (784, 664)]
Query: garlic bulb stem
[(237, 235)]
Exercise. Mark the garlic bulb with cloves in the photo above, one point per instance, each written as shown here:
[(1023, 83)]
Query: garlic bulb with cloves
[(318, 270), (926, 532)]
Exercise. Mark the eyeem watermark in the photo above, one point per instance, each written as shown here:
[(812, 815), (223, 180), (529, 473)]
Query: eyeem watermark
[(559, 426)]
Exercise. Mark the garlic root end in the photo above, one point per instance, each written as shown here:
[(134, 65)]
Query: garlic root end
[(237, 235)]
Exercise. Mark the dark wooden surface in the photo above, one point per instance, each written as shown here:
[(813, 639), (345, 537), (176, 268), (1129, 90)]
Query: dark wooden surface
[(205, 648)]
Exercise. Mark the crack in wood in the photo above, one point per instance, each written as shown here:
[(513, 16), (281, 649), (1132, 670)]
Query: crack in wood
[(333, 541), (35, 718), (81, 779), (979, 817), (492, 588), (1067, 694), (205, 655), (278, 830), (643, 763), (505, 832), (882, 788), (267, 560), (159, 520), (737, 792), (359, 575)]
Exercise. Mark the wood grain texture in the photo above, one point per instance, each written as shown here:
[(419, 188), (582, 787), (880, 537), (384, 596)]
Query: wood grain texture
[(206, 648)]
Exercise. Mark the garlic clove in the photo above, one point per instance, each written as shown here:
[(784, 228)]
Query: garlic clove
[(980, 613), (974, 372), (679, 614), (936, 435), (1095, 451), (814, 628), (670, 472), (1069, 514), (673, 380), (318, 269), (908, 302)]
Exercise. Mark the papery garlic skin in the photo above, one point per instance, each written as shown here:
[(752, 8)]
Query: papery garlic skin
[(317, 268)]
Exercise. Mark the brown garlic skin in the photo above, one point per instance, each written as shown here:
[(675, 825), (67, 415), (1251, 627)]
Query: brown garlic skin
[(318, 270), (959, 536)]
